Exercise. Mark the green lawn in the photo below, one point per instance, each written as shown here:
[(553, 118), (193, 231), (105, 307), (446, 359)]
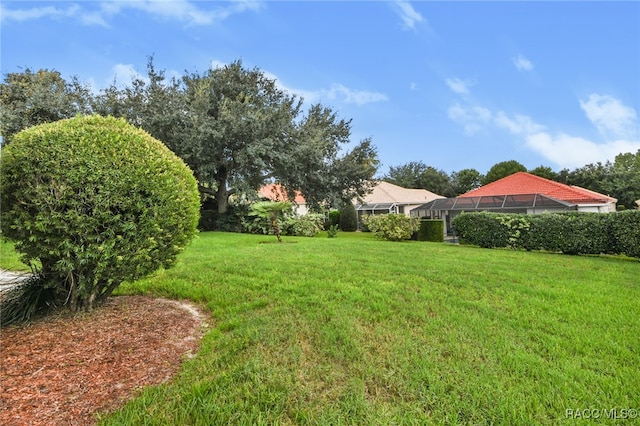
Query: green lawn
[(9, 259), (354, 330)]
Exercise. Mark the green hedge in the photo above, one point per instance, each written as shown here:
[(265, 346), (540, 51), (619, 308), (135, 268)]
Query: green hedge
[(571, 233), (567, 232), (431, 230), (626, 232), (481, 229)]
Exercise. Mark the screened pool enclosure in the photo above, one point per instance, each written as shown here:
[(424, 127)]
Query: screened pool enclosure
[(448, 208)]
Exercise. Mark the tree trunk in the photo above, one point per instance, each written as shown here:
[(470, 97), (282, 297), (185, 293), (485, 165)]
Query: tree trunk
[(73, 296), (276, 227), (222, 194), (222, 198)]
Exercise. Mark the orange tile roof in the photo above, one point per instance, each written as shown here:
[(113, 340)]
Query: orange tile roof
[(526, 183), (276, 192)]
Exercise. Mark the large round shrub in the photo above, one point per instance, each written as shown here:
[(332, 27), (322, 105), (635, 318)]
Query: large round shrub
[(95, 202)]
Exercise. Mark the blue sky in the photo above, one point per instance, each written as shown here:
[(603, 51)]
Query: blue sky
[(453, 84)]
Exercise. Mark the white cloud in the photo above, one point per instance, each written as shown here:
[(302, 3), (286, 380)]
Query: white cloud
[(337, 92), (519, 124), (562, 149), (94, 18), (350, 96), (572, 152), (471, 118), (522, 63), (20, 15), (219, 64), (459, 86), (185, 11), (408, 14), (182, 10), (608, 114), (611, 117), (123, 74)]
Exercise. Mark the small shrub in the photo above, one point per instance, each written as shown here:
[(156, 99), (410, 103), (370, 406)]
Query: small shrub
[(308, 225), (24, 300), (257, 225), (431, 230), (272, 211), (392, 227), (208, 220), (233, 220), (334, 217), (348, 217), (332, 232), (95, 202)]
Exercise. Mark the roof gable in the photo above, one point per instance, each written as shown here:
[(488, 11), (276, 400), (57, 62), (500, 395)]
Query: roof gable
[(385, 192), (276, 192), (526, 183)]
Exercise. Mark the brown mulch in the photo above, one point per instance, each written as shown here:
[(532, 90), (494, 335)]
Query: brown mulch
[(63, 370)]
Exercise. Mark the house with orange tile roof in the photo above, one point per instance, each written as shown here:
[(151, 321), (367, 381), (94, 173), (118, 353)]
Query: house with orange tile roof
[(520, 192), (276, 192)]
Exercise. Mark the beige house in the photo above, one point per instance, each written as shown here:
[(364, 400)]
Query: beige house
[(389, 198), (384, 198)]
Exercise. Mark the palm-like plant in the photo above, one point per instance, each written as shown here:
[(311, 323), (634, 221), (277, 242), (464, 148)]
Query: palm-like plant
[(271, 210)]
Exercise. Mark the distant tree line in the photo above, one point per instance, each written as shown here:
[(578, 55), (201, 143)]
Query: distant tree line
[(619, 179), (236, 130), (233, 126)]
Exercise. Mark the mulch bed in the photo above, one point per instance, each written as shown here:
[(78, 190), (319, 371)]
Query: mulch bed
[(62, 369)]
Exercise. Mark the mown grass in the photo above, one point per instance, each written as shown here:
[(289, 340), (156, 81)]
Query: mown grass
[(354, 330), (10, 259)]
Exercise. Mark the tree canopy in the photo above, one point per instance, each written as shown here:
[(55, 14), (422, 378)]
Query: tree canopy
[(237, 130), (234, 127), (501, 170), (416, 174), (545, 172), (620, 179), (465, 180), (30, 98)]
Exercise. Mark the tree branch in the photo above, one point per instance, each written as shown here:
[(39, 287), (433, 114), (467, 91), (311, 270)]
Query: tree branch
[(205, 190)]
